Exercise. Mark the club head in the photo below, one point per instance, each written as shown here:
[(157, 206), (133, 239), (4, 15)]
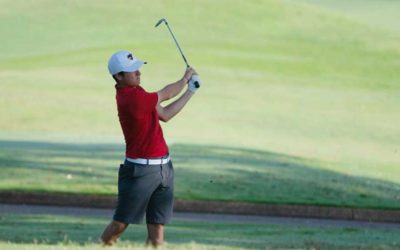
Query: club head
[(160, 21)]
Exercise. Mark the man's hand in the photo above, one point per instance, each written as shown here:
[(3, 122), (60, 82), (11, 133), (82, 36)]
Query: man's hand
[(188, 74), (192, 86), (191, 76)]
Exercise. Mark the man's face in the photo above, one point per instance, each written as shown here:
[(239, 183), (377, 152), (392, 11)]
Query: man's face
[(131, 78)]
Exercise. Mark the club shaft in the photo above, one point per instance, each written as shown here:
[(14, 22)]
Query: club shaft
[(176, 42)]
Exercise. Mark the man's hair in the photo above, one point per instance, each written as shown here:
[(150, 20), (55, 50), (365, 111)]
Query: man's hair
[(119, 73)]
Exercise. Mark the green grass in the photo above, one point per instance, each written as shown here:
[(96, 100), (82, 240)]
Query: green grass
[(380, 14), (71, 246), (40, 231), (312, 86), (202, 172)]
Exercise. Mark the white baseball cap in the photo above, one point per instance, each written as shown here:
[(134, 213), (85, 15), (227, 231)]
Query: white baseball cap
[(123, 61)]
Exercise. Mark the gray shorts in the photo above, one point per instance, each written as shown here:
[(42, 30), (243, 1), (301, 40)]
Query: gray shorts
[(145, 189)]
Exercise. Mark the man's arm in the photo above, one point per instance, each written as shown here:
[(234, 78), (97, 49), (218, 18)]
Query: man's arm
[(166, 113), (173, 89)]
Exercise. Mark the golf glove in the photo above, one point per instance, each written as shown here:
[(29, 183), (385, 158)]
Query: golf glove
[(194, 80)]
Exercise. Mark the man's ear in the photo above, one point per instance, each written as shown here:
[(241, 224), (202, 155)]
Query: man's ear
[(119, 76)]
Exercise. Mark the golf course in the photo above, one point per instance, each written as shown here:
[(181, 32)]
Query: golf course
[(299, 104)]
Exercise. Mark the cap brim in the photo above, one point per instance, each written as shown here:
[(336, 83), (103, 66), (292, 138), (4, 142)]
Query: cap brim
[(135, 66)]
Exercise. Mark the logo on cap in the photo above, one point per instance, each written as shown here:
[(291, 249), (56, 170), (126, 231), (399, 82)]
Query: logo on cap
[(130, 57)]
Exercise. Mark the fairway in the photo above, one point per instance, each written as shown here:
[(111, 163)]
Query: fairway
[(382, 14), (300, 102)]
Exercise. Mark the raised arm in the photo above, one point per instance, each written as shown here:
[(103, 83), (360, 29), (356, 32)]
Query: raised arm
[(166, 113), (173, 89)]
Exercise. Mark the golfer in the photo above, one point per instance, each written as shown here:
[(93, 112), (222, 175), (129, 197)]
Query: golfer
[(145, 180)]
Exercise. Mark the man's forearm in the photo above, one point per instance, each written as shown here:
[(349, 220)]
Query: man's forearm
[(175, 88), (166, 113)]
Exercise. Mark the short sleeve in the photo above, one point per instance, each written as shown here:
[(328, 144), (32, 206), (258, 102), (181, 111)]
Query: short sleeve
[(143, 102)]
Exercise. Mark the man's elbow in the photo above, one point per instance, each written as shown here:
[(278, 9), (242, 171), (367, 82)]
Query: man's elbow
[(163, 118), (164, 95)]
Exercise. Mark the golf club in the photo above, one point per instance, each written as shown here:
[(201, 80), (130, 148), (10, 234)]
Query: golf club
[(196, 79)]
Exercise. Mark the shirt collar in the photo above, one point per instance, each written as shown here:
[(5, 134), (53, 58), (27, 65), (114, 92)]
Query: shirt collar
[(127, 88)]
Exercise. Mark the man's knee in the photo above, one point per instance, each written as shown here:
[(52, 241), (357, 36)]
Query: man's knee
[(119, 226)]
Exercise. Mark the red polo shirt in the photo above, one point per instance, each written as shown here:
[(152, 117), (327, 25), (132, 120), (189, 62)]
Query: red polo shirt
[(140, 123)]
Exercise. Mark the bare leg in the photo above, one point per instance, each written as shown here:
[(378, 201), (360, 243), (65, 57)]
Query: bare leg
[(112, 232), (155, 234)]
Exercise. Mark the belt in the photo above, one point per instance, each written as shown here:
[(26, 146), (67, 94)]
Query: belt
[(149, 161)]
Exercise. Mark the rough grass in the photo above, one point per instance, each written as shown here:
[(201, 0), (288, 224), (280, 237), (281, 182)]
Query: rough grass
[(71, 246), (68, 232)]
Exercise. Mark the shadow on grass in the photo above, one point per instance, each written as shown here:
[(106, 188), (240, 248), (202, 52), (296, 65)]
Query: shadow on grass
[(203, 172)]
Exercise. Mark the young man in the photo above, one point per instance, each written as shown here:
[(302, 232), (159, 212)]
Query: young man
[(145, 180)]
